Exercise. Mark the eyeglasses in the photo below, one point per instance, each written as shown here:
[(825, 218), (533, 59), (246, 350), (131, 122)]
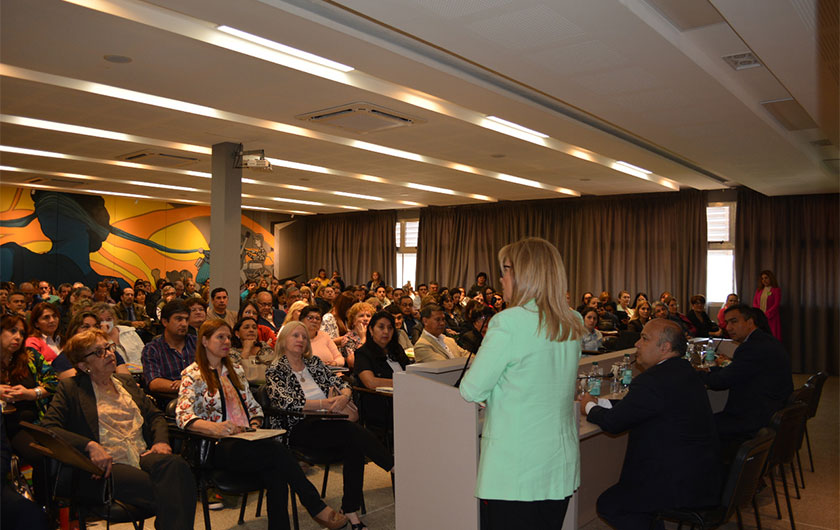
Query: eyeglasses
[(313, 318), (506, 268), (101, 352)]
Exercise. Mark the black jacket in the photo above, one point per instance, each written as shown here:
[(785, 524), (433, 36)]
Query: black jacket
[(673, 452), (74, 417), (759, 382)]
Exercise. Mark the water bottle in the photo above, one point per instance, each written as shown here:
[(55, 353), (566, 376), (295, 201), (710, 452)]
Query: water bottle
[(626, 373), (595, 380), (710, 354)]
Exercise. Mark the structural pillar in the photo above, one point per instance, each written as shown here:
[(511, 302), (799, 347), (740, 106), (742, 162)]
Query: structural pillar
[(226, 221)]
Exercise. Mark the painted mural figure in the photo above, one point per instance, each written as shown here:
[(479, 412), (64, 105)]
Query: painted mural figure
[(76, 225)]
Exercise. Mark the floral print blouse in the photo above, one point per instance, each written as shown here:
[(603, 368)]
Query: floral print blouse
[(195, 402), (284, 390), (43, 374)]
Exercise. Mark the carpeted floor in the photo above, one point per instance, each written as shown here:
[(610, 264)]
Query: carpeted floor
[(819, 508)]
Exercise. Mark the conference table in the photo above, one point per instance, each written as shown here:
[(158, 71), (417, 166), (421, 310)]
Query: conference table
[(436, 448)]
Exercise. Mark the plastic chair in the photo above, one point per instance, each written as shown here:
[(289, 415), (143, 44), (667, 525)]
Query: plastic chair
[(816, 382), (739, 489), (48, 444), (789, 424)]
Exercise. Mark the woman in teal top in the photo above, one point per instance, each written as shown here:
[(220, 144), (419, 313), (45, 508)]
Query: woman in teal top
[(526, 371)]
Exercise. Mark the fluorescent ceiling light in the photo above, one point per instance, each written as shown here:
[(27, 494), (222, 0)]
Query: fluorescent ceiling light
[(285, 49), (632, 167), (517, 127), (78, 176)]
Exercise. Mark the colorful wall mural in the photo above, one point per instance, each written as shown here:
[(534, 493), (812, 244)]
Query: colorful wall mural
[(67, 237)]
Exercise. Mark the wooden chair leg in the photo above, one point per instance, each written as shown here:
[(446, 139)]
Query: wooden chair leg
[(364, 508), (757, 516), (324, 485), (242, 508), (801, 476), (787, 497), (775, 495), (738, 518), (808, 443)]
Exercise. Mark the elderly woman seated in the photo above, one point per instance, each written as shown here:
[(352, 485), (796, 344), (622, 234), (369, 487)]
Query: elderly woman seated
[(299, 380), (107, 416), (215, 400), (358, 317), (322, 345)]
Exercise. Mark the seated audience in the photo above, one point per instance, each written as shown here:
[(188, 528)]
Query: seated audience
[(269, 316), (479, 285), (672, 457), (640, 317), (165, 357), (82, 321), (584, 301), (759, 379), (374, 282), (219, 303), (358, 317), (299, 381), (731, 299), (407, 308), (675, 315), (131, 313), (623, 309), (592, 339), (703, 325), (43, 331), (248, 346), (215, 400), (249, 309), (130, 349), (433, 344), (607, 319), (453, 319), (198, 314), (376, 362), (321, 344), (472, 335), (640, 297), (27, 382), (402, 337), (107, 416), (334, 323), (660, 310)]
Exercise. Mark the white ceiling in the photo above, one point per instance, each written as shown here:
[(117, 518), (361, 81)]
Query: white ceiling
[(614, 79)]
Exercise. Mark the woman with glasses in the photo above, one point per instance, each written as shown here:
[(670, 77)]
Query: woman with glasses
[(358, 317), (106, 416), (526, 371), (322, 345)]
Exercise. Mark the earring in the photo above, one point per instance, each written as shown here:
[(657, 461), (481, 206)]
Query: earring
[(88, 370)]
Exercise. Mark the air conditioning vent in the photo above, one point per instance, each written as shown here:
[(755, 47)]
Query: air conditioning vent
[(157, 158), (742, 61), (360, 117)]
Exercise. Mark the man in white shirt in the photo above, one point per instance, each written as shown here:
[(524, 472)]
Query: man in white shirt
[(433, 344)]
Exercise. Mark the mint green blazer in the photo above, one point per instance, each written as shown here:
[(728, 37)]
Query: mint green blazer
[(529, 444)]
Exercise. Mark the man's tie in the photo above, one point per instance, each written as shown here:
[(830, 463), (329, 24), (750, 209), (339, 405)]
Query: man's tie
[(131, 313)]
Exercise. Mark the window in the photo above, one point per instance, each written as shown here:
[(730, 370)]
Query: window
[(406, 234), (720, 254)]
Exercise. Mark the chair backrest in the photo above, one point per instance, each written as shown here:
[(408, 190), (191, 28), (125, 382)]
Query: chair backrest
[(803, 394), (816, 382), (54, 447), (789, 424), (746, 470)]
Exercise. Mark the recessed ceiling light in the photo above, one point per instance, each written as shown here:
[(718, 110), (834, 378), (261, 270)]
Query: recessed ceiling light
[(117, 59)]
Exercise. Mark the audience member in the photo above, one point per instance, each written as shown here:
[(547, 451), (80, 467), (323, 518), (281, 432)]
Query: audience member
[(269, 317), (321, 344), (249, 309), (479, 285), (169, 353), (407, 309), (672, 457), (433, 344), (402, 337), (215, 400), (768, 298), (198, 314), (320, 279), (43, 331), (592, 339), (759, 379), (478, 317), (219, 303), (675, 315), (731, 299), (703, 325), (358, 318), (130, 313), (640, 317)]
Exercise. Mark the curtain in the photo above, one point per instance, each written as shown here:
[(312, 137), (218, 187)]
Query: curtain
[(649, 243), (355, 244), (797, 238)]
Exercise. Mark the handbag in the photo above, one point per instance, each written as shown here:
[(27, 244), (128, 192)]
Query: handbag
[(350, 408)]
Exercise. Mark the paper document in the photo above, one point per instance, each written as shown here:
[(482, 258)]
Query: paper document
[(259, 434)]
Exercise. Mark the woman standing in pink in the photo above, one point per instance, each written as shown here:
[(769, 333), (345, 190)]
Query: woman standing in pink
[(768, 297)]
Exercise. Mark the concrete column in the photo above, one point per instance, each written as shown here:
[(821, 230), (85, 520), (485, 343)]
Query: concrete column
[(226, 221)]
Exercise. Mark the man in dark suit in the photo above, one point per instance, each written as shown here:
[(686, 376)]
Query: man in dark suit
[(273, 318), (130, 314), (672, 457), (759, 379)]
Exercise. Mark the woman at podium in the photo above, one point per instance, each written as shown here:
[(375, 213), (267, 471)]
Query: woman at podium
[(525, 371)]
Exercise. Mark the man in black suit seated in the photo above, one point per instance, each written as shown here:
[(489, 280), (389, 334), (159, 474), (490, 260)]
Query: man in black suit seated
[(759, 379), (672, 456)]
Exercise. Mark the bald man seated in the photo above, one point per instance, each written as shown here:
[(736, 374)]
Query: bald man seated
[(672, 458), (433, 344)]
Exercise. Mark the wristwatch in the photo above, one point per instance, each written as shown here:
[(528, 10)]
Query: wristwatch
[(38, 392)]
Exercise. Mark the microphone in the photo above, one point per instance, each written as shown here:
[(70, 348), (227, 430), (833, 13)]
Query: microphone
[(463, 370)]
